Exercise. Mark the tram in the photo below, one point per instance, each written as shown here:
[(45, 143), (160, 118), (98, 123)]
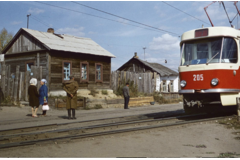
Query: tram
[(209, 69)]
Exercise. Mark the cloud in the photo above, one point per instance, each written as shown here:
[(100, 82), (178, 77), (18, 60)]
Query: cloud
[(16, 22), (35, 10), (165, 42), (72, 31)]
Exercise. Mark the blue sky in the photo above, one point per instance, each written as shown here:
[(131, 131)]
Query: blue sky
[(120, 39)]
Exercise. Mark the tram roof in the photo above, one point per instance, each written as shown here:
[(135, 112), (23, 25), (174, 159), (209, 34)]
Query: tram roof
[(212, 32)]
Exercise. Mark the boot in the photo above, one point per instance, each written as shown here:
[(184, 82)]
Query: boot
[(73, 113), (69, 113)]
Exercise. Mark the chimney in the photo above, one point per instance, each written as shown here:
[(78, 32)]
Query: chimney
[(135, 55), (50, 30)]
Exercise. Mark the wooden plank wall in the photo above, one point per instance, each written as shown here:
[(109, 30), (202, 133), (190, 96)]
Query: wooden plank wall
[(21, 59), (145, 81), (15, 85), (25, 43), (57, 59)]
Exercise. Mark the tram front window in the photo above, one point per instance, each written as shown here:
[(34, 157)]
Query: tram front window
[(209, 51)]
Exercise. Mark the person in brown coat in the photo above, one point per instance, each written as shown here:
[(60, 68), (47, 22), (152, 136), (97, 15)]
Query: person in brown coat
[(33, 96), (71, 88)]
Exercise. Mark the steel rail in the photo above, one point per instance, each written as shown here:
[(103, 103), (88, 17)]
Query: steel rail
[(76, 135)]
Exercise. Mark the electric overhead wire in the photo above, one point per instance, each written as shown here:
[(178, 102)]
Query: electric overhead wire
[(185, 13), (101, 17), (41, 21), (125, 18)]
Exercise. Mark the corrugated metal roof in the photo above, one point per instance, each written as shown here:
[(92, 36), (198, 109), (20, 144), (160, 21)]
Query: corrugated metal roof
[(69, 43)]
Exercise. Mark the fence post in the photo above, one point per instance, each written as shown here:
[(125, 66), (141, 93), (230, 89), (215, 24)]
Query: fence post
[(3, 78), (26, 85), (16, 84), (8, 82)]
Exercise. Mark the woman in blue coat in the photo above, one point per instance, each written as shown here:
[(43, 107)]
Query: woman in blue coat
[(43, 94)]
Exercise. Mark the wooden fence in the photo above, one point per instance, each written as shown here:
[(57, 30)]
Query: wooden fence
[(146, 81), (15, 85)]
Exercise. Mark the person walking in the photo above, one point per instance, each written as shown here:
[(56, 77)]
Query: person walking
[(71, 88), (43, 94), (126, 95), (33, 96)]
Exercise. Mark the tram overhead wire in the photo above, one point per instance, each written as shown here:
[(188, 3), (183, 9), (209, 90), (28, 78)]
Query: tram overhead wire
[(150, 28)]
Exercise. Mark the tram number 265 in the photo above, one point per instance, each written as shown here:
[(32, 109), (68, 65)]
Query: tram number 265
[(198, 77)]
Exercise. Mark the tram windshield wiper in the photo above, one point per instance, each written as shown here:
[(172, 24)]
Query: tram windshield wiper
[(212, 58)]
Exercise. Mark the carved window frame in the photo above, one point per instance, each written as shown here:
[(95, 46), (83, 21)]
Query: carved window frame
[(66, 61), (96, 80), (84, 80)]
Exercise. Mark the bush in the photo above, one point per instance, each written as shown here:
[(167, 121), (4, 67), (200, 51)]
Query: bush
[(133, 88), (93, 92), (98, 106), (104, 92)]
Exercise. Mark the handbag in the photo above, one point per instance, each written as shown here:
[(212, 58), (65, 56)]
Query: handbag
[(45, 106)]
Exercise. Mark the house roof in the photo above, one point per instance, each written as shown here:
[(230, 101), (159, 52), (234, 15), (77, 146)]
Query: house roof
[(161, 69), (63, 42)]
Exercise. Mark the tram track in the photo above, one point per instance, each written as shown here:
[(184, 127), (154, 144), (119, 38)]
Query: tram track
[(125, 126)]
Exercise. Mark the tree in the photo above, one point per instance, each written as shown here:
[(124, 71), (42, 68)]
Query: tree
[(5, 38)]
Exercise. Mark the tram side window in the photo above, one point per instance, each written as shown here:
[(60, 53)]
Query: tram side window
[(229, 53)]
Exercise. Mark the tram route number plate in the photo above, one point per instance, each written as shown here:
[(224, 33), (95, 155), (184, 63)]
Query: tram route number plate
[(198, 77)]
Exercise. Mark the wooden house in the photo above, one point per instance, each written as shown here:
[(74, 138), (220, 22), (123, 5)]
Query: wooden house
[(60, 55), (166, 79)]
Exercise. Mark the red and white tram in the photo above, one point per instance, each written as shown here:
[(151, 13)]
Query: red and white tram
[(209, 69)]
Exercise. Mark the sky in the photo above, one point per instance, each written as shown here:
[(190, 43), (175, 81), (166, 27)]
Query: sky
[(119, 36)]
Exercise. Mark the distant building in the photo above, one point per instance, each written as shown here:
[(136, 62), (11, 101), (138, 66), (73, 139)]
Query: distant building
[(167, 80)]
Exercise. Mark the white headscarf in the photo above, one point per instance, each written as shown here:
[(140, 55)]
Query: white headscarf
[(33, 81), (44, 80)]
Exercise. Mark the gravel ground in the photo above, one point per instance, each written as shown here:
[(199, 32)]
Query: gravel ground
[(195, 140)]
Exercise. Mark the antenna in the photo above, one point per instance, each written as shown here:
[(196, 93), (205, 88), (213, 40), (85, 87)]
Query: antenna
[(28, 19)]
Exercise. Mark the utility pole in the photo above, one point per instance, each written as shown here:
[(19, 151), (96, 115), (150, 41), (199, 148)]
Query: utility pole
[(144, 51), (28, 19)]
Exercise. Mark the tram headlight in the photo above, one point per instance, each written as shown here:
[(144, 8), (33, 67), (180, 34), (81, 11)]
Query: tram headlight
[(214, 81), (183, 83)]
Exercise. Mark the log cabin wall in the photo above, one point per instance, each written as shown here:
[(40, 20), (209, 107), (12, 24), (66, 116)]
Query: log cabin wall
[(56, 72), (22, 58)]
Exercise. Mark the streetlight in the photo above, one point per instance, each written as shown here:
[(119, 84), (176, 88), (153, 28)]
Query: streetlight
[(28, 19), (144, 51)]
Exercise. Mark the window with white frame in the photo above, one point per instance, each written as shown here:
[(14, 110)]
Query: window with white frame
[(164, 86), (66, 70), (171, 86), (99, 70), (28, 66), (84, 71)]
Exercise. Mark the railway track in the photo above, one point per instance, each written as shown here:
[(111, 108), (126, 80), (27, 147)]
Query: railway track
[(48, 133)]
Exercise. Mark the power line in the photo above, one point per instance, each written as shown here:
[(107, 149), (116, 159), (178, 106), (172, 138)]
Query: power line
[(125, 18), (96, 16), (39, 21), (42, 20), (186, 13)]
